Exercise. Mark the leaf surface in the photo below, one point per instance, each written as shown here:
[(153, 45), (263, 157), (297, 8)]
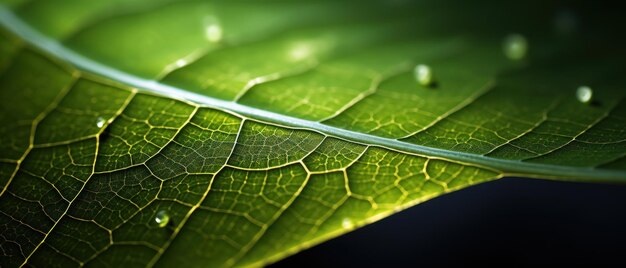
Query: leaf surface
[(261, 129)]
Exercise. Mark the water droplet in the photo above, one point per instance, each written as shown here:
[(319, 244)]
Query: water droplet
[(584, 94), (212, 29), (214, 33), (300, 52), (347, 223), (181, 63), (100, 122), (515, 46), (162, 218), (423, 74)]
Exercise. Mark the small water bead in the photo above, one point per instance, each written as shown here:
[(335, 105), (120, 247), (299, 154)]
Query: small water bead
[(100, 122), (515, 46), (213, 33), (212, 29), (301, 51), (423, 75), (584, 94), (181, 63), (347, 223), (162, 218)]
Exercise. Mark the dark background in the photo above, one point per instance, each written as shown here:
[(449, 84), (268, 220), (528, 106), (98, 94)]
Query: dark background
[(510, 222)]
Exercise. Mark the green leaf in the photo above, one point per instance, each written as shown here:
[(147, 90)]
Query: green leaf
[(236, 133)]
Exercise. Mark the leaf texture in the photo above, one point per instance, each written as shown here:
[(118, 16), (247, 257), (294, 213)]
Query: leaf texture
[(261, 129)]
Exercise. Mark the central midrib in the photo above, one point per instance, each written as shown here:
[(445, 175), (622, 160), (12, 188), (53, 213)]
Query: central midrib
[(509, 167)]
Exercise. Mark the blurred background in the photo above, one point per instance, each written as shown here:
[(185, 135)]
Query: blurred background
[(513, 222)]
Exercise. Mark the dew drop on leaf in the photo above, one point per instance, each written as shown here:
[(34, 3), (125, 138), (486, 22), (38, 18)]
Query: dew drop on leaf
[(212, 29), (162, 218), (346, 223), (181, 63), (301, 51), (515, 46), (100, 122), (584, 94), (214, 33), (423, 75)]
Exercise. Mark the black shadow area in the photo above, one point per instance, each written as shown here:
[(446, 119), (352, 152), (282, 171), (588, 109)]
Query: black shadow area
[(511, 222)]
